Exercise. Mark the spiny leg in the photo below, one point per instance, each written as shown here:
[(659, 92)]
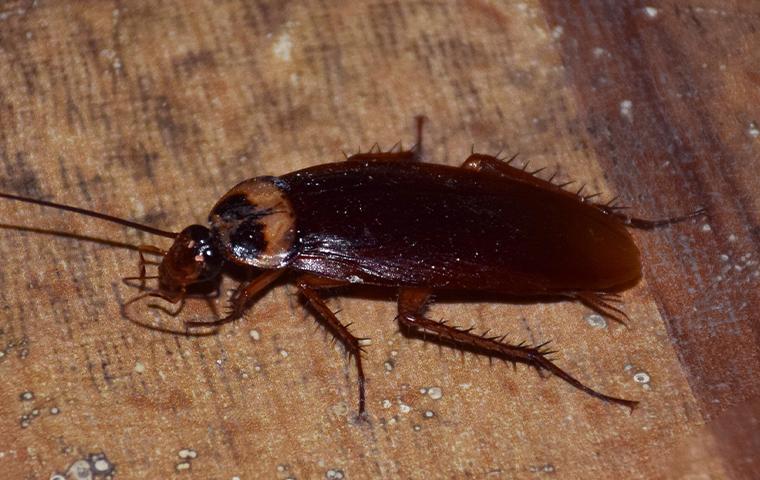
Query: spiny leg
[(412, 155), (600, 302), (645, 224), (411, 307), (241, 298), (488, 163), (308, 286)]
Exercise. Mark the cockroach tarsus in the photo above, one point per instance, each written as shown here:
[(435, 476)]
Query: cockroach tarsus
[(386, 219)]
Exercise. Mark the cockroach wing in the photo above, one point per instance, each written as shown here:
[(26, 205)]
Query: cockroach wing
[(393, 223)]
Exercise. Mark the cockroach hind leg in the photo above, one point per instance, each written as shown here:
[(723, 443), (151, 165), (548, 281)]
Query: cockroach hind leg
[(411, 305), (647, 224), (601, 303)]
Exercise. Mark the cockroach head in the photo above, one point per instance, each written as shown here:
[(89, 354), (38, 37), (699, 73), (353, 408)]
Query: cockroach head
[(192, 259), (254, 224)]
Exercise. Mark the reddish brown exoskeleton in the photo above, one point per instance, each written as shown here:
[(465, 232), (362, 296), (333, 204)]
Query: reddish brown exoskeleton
[(384, 219)]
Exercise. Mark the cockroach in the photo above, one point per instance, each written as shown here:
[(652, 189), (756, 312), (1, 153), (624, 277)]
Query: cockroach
[(386, 219)]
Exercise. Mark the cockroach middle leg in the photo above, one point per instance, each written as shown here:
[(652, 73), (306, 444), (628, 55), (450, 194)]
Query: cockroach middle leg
[(308, 286), (414, 154), (411, 307)]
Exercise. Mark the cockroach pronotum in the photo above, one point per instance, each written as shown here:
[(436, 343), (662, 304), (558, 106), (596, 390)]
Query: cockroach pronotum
[(386, 219)]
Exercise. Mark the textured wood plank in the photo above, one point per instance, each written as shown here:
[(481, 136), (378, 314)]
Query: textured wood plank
[(152, 110)]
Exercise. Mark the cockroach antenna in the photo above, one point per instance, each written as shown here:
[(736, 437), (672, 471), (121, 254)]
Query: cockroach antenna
[(91, 213)]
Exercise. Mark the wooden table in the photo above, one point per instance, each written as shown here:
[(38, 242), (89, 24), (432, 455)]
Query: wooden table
[(152, 110)]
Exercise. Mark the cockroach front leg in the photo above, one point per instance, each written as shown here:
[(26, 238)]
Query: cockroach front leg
[(411, 307), (242, 298), (308, 286), (142, 262)]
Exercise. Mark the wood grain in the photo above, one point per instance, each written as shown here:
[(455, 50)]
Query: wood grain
[(152, 110)]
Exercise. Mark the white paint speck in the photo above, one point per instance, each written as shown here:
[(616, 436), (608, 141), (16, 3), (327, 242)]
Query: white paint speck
[(334, 474), (255, 335), (183, 466), (599, 52), (706, 227), (55, 411), (435, 393), (596, 320), (732, 238), (651, 12), (404, 408), (626, 109), (365, 342), (284, 353), (428, 414), (283, 47), (139, 367), (388, 366), (354, 279), (102, 465), (387, 403), (26, 396), (557, 32), (753, 131), (186, 453), (641, 377)]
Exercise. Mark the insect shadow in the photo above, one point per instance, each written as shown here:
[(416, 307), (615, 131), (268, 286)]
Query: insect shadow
[(387, 220)]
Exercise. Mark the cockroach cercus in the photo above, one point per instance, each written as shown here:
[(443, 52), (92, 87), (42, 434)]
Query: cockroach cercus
[(386, 219)]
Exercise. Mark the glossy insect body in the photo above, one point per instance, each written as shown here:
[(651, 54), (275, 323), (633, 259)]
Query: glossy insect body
[(385, 223), (383, 219)]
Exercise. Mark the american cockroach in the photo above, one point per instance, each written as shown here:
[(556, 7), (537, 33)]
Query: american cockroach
[(386, 219)]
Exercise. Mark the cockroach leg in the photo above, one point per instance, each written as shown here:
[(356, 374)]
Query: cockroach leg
[(142, 250), (404, 156), (488, 163), (411, 307), (241, 298), (645, 224), (600, 303), (308, 286), (156, 328), (414, 154)]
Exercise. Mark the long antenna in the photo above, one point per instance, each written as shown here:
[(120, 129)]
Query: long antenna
[(90, 213)]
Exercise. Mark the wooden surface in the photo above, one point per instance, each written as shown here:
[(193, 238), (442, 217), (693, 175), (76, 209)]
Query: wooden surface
[(152, 110)]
